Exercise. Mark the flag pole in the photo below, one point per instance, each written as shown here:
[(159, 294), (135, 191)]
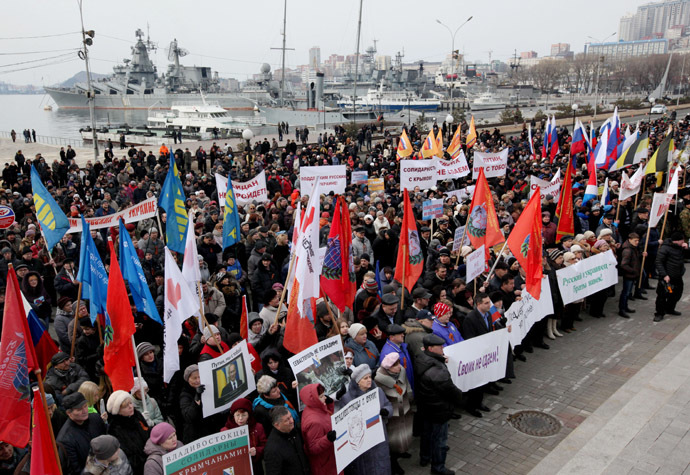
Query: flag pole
[(136, 361), (44, 404), (462, 239), (200, 292), (646, 242), (76, 318), (160, 229), (284, 291), (488, 276), (402, 292)]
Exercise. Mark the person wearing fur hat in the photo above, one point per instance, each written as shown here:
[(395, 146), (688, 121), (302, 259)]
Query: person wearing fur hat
[(240, 415), (317, 431), (163, 440), (365, 351), (106, 457), (376, 460), (391, 378), (129, 427), (269, 397), (152, 413)]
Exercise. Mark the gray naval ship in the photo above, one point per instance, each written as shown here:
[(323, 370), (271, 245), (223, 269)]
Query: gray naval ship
[(135, 84)]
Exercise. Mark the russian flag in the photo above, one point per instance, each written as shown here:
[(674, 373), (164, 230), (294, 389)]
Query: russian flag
[(579, 139), (553, 140), (547, 135), (613, 140), (591, 191), (373, 421), (43, 343), (495, 314), (605, 195)]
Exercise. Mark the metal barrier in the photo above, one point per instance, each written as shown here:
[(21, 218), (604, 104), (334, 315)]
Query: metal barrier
[(45, 139)]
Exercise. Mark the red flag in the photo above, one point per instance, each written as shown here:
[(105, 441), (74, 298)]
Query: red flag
[(525, 242), (43, 458), (244, 324), (17, 358), (410, 263), (118, 355), (482, 223), (564, 210), (338, 275)]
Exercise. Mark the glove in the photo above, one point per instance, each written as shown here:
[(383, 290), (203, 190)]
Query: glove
[(331, 436), (329, 400), (345, 371), (384, 412), (201, 389), (341, 392)]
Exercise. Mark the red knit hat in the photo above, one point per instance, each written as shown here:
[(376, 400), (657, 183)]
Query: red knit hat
[(441, 309)]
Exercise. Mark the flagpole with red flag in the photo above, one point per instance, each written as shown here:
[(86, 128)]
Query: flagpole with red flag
[(338, 275), (43, 438), (409, 251), (482, 223), (244, 325), (525, 243), (564, 210)]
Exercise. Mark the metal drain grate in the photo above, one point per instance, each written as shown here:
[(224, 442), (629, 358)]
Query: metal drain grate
[(538, 424)]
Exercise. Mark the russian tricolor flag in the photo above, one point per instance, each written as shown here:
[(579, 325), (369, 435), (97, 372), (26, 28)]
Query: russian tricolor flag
[(553, 139), (43, 343)]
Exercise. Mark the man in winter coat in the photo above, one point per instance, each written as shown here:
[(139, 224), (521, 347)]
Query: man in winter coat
[(361, 245), (317, 431), (65, 377), (670, 268), (396, 344), (415, 331), (284, 453), (630, 267), (76, 434), (436, 397)]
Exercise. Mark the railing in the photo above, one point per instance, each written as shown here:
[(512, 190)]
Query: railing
[(45, 139)]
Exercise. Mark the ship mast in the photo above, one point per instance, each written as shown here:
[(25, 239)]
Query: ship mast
[(284, 48), (90, 95), (354, 92)]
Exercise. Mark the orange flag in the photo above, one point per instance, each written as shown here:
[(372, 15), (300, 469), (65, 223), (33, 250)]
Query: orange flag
[(455, 145), (118, 354), (564, 210), (439, 143), (471, 135), (482, 223), (244, 324), (430, 145), (410, 262), (525, 242), (404, 146)]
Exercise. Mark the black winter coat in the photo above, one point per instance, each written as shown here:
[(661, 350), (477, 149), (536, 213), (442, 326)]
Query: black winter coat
[(669, 261), (284, 454), (435, 392), (132, 432), (630, 261), (76, 440)]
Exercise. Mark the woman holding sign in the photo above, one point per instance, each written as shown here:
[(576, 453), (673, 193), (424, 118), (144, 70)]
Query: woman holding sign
[(317, 431)]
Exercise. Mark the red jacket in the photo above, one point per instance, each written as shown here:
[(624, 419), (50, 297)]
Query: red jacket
[(316, 423)]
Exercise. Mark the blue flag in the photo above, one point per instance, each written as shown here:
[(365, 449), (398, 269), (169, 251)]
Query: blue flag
[(54, 222), (231, 219), (92, 274), (378, 280), (172, 201), (133, 273)]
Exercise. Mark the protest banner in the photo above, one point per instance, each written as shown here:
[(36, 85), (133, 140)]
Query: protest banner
[(223, 453), (432, 209), (459, 233), (331, 178), (226, 378), (451, 169), (494, 164), (358, 427), (475, 263), (587, 277), (359, 178), (143, 210), (375, 185), (552, 187), (478, 361), (417, 173), (528, 311), (320, 363), (245, 191)]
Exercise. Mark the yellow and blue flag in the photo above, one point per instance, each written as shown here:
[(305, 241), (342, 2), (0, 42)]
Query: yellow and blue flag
[(231, 218), (172, 201), (53, 221)]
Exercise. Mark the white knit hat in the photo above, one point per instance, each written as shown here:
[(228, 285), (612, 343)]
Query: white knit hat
[(360, 371), (355, 328), (116, 400)]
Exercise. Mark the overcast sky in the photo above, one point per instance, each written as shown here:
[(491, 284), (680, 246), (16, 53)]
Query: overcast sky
[(235, 36)]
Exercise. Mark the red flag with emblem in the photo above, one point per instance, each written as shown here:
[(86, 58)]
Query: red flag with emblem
[(17, 358), (118, 354), (482, 223), (525, 242), (338, 280), (244, 324), (410, 263), (564, 210)]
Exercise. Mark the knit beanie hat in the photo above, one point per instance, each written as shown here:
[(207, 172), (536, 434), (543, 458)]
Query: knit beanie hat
[(139, 383), (116, 400), (265, 384), (555, 254), (161, 432), (143, 348), (210, 330), (355, 328), (441, 309), (360, 371), (188, 371), (104, 446)]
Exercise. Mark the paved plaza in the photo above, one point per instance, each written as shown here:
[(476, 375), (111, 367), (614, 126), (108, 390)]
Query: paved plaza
[(620, 389)]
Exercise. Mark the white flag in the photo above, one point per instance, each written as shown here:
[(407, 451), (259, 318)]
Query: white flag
[(673, 185), (631, 186), (307, 268), (191, 272), (659, 206), (180, 304), (295, 235)]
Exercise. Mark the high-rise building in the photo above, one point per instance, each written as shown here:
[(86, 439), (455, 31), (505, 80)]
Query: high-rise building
[(654, 20), (560, 48), (315, 58), (627, 49)]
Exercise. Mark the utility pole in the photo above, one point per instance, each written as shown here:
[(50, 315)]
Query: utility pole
[(90, 95), (354, 91)]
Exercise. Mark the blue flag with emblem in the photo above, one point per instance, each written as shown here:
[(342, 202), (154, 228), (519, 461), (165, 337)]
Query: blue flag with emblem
[(172, 201), (133, 273), (54, 222), (92, 274), (231, 218)]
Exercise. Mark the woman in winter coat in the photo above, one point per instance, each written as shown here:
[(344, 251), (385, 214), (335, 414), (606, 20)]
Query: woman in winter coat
[(365, 351), (36, 294), (128, 426), (317, 432), (391, 378), (151, 369), (163, 440), (240, 415), (106, 457), (275, 366), (270, 397), (139, 393), (190, 405), (376, 460)]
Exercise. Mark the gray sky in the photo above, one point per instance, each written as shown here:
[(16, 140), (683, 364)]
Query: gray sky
[(235, 36)]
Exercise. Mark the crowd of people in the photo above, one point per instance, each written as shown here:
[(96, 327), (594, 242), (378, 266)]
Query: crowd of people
[(394, 349)]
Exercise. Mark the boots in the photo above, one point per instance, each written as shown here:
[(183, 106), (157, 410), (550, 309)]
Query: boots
[(554, 327), (549, 330)]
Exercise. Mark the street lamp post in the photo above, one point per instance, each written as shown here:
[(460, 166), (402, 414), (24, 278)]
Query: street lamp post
[(574, 107), (599, 62), (87, 40), (449, 125), (248, 135), (452, 56)]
